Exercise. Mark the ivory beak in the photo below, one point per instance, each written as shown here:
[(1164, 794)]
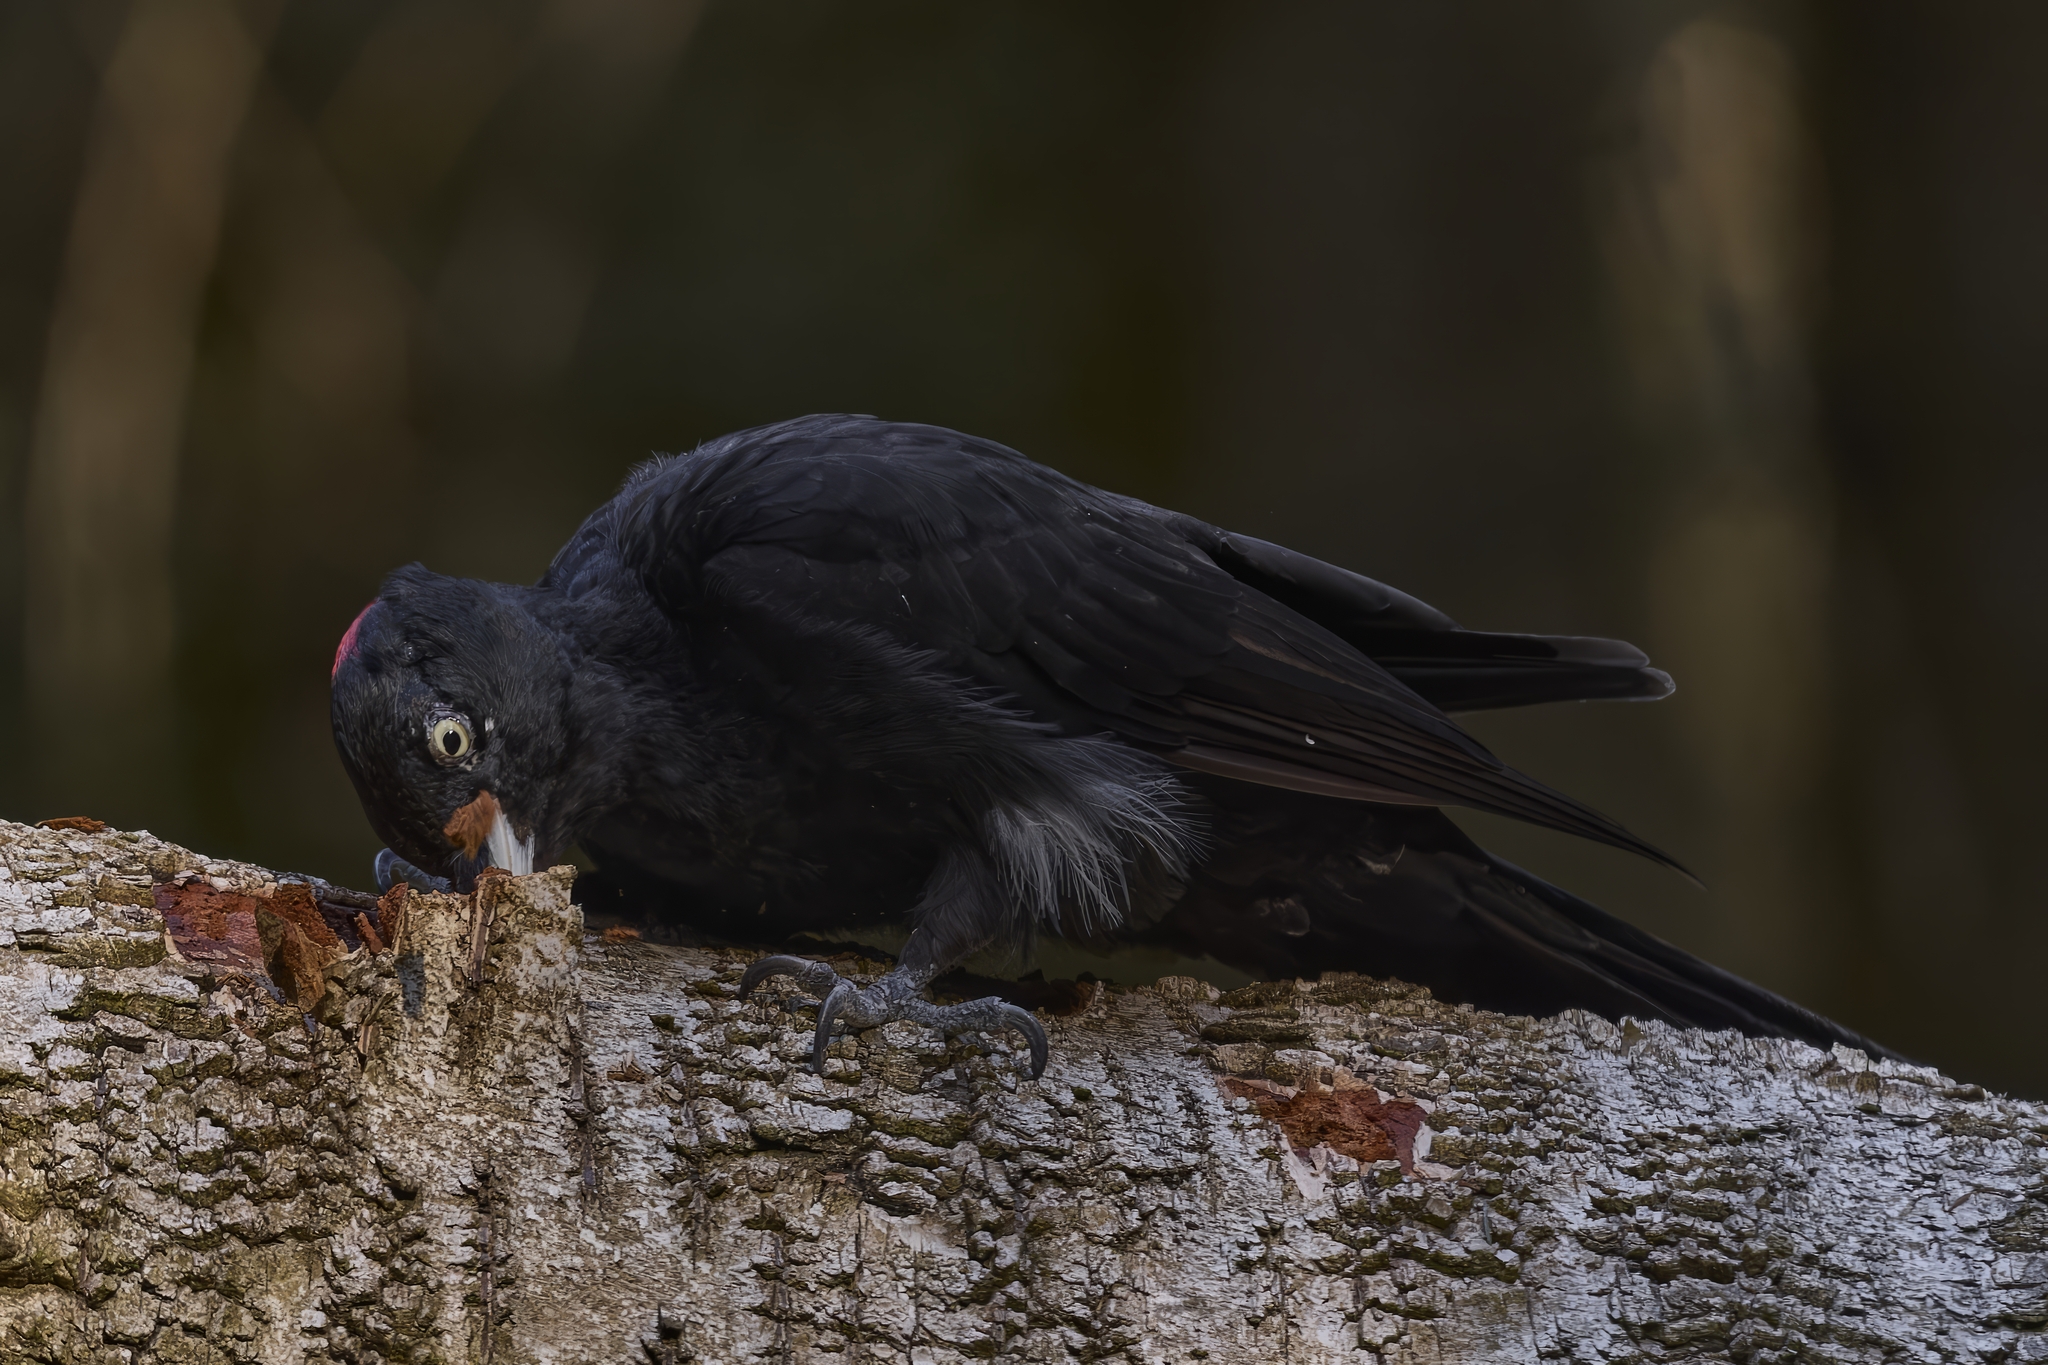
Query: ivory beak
[(507, 849)]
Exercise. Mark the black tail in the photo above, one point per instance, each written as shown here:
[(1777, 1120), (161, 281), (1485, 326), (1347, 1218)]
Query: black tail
[(1670, 983), (1298, 885)]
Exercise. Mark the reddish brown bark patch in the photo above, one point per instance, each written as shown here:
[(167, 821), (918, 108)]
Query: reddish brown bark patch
[(215, 928), (280, 941), (294, 903), (295, 962), (471, 824), (84, 824), (1355, 1122), (391, 916)]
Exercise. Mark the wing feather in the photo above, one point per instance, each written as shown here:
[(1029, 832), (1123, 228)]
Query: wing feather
[(1093, 612)]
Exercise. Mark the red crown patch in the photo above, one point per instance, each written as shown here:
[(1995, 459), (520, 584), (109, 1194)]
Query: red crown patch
[(348, 641)]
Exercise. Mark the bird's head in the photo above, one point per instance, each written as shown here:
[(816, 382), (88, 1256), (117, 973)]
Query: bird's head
[(449, 709)]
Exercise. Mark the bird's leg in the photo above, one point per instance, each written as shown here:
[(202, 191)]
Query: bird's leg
[(955, 918)]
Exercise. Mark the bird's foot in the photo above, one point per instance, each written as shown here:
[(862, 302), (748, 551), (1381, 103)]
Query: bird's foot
[(896, 996), (390, 870)]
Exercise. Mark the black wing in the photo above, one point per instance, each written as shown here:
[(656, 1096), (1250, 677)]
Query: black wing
[(1092, 611), (1453, 668)]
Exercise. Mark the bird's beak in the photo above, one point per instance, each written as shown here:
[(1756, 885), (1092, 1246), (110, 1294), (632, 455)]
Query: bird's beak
[(482, 824), (507, 849)]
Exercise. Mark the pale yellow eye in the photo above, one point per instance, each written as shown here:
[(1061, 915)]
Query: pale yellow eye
[(449, 738)]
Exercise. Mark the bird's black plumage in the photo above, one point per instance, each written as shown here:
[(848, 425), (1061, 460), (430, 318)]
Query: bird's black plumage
[(855, 671)]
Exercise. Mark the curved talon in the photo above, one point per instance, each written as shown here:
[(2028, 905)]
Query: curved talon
[(1026, 1023), (802, 968), (828, 1014)]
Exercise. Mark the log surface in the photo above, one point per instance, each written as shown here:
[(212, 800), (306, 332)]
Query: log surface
[(511, 1141)]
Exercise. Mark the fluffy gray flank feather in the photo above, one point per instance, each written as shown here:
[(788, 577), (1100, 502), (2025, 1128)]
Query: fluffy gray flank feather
[(1076, 844)]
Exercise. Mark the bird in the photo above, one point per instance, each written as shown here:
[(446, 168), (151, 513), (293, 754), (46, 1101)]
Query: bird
[(839, 672)]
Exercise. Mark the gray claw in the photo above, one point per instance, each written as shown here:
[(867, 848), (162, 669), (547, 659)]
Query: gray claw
[(815, 977), (828, 1014), (1027, 1024)]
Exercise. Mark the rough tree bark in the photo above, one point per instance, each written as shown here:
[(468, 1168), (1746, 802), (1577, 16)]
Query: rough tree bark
[(228, 1139)]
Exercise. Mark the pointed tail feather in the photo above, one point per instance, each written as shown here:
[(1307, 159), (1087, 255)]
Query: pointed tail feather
[(1297, 886)]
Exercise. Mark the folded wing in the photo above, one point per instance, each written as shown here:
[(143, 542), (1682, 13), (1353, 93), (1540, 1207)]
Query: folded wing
[(1453, 668), (1099, 613)]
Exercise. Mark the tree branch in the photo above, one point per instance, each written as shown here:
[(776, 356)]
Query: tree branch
[(229, 1138)]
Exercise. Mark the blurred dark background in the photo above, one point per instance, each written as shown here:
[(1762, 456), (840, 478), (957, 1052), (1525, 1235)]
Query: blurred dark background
[(1718, 328)]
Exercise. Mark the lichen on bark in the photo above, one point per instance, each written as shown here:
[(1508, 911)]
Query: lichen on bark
[(502, 1139)]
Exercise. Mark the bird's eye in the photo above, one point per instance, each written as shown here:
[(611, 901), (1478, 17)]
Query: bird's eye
[(448, 738)]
